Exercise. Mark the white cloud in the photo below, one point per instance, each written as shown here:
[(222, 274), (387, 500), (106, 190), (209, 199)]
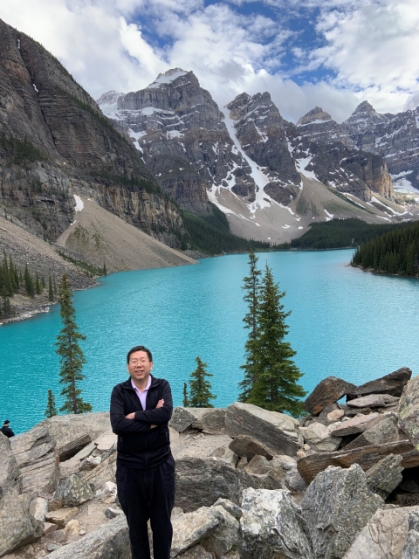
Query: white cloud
[(370, 47)]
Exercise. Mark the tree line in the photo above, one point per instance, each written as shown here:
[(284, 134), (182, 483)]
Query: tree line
[(396, 252), (13, 280)]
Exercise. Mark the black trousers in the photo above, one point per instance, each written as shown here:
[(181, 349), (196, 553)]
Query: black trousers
[(148, 495)]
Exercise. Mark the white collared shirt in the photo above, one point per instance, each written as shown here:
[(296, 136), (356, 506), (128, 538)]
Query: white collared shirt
[(142, 394)]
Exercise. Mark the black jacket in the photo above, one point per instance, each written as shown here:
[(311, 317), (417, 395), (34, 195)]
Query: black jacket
[(139, 446), (7, 431)]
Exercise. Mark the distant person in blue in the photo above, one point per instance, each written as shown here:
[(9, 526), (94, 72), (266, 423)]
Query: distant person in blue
[(141, 408), (6, 429)]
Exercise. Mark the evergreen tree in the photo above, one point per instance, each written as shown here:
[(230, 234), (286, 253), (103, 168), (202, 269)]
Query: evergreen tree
[(29, 285), (37, 284), (276, 385), (251, 285), (104, 271), (185, 395), (200, 388), (72, 357), (51, 410)]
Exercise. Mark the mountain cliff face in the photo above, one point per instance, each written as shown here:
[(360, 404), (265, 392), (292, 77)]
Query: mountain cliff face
[(55, 141), (393, 137)]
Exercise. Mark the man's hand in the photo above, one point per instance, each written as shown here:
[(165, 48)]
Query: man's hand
[(131, 415)]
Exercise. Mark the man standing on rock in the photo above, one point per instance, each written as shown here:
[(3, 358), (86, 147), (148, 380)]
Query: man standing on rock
[(141, 408), (6, 429)]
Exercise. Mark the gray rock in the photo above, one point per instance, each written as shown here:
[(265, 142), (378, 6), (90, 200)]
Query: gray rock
[(383, 537), (271, 526), (61, 517), (327, 392), (112, 512), (102, 473), (275, 430), (110, 541), (182, 419), (385, 431), (243, 445), (292, 478), (230, 507), (196, 552), (385, 476), (212, 422), (269, 471), (9, 471), (74, 491), (392, 384), (319, 438), (17, 526), (201, 482), (409, 411), (357, 424), (373, 401), (213, 526), (38, 508), (226, 455), (411, 545), (336, 506)]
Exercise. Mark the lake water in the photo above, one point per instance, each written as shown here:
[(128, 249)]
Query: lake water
[(344, 322)]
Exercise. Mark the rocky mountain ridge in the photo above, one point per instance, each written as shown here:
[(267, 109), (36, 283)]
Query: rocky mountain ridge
[(270, 177), (340, 482)]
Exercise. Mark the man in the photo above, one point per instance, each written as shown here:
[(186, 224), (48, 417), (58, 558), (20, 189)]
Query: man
[(141, 408), (6, 429)]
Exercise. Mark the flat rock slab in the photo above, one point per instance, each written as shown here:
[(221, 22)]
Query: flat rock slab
[(366, 457), (409, 411), (385, 431), (243, 445), (327, 392), (212, 422), (106, 441), (110, 541), (355, 425), (392, 384), (277, 431), (383, 537), (61, 517), (385, 475), (372, 401)]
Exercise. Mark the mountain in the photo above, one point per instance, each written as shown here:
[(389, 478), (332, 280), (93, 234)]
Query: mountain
[(270, 177)]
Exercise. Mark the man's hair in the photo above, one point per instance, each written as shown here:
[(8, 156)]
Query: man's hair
[(6, 422), (139, 348)]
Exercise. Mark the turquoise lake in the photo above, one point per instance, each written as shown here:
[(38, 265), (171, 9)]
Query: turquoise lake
[(344, 322)]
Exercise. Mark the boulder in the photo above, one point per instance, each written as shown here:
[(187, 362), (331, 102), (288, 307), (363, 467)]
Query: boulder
[(230, 507), (201, 482), (356, 425), (9, 471), (385, 431), (243, 445), (275, 430), (292, 478), (335, 507), (409, 411), (270, 473), (196, 552), (226, 455), (110, 541), (76, 427), (212, 422), (366, 457), (385, 475), (271, 526), (73, 446), (392, 384), (335, 415), (38, 508), (74, 491), (210, 526), (37, 460), (182, 419), (17, 526), (373, 401), (411, 545), (327, 392), (318, 437), (383, 537), (102, 473)]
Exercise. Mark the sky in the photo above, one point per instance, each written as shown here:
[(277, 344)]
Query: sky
[(330, 53)]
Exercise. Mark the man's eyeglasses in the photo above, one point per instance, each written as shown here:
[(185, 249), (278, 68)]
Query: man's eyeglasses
[(137, 361)]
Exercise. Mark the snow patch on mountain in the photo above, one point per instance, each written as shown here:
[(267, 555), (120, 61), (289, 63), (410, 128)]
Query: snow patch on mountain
[(168, 77)]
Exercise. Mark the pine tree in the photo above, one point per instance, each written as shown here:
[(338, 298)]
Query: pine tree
[(200, 388), (104, 271), (276, 385), (37, 285), (51, 410), (251, 285), (185, 395), (72, 357), (29, 285)]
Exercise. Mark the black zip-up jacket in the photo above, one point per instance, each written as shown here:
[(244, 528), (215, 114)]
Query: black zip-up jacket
[(139, 446)]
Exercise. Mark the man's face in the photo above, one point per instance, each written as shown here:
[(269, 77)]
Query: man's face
[(139, 367)]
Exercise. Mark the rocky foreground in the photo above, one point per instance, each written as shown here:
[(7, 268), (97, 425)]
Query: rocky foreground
[(341, 482)]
